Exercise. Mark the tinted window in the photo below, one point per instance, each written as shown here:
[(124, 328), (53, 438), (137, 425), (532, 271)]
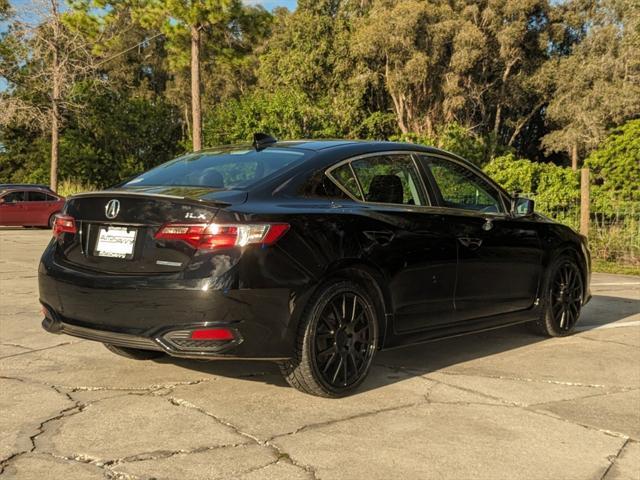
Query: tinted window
[(219, 169), (14, 197), (389, 179), (343, 176), (462, 188), (38, 197)]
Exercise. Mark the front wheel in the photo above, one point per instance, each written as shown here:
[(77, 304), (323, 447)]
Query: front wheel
[(562, 298), (337, 339)]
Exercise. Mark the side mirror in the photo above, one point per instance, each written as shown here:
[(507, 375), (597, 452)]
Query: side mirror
[(522, 207)]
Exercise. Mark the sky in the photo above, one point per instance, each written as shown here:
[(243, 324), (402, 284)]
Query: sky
[(271, 4), (268, 4)]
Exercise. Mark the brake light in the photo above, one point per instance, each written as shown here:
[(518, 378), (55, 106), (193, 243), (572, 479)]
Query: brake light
[(64, 224), (210, 236)]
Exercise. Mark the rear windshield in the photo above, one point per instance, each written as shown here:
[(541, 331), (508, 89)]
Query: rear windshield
[(219, 169)]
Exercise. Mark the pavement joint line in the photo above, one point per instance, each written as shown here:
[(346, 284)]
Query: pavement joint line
[(41, 349), (607, 341), (632, 323), (602, 394), (532, 380), (326, 423), (614, 284), (9, 344), (613, 458)]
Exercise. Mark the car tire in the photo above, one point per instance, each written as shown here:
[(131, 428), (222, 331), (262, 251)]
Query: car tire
[(561, 299), (134, 353), (336, 341), (52, 219)]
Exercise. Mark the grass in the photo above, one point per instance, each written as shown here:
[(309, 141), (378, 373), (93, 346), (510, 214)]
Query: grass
[(606, 266)]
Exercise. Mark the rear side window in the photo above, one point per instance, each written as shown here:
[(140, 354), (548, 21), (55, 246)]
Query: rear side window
[(219, 169), (38, 197), (389, 179), (343, 176), (15, 197)]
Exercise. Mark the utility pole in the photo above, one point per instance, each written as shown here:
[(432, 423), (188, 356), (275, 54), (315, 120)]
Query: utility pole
[(196, 113), (55, 97), (584, 201)]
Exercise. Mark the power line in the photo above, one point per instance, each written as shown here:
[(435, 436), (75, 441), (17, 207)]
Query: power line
[(129, 49)]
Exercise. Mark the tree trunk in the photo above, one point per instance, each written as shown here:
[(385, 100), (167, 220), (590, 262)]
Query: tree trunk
[(55, 99), (196, 113), (55, 126), (574, 157)]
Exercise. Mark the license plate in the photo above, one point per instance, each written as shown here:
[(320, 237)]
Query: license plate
[(116, 242)]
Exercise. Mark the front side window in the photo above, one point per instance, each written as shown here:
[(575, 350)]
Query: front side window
[(224, 169), (462, 188), (14, 197), (389, 179)]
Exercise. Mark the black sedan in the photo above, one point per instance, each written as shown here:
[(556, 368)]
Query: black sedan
[(314, 254)]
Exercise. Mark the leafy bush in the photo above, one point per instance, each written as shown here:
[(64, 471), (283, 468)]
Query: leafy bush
[(455, 138), (615, 171), (283, 114), (71, 186), (555, 189)]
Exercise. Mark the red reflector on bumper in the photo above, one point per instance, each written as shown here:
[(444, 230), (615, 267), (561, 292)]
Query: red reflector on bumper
[(212, 334)]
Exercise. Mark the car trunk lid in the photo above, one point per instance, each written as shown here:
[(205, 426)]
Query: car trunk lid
[(116, 228)]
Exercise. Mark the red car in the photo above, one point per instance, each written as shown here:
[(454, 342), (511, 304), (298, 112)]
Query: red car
[(28, 206)]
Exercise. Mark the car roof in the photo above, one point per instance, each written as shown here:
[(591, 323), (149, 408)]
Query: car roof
[(25, 188), (325, 144), (4, 186)]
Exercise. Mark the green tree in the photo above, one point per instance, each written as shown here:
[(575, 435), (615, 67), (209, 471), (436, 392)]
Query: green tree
[(597, 85), (181, 21)]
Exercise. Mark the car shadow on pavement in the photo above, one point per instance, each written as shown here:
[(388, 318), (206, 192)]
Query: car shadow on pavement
[(396, 365)]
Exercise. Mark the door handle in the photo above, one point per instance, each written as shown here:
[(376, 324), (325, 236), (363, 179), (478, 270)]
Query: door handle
[(470, 243)]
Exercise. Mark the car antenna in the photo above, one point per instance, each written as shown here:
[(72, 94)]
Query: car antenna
[(262, 141)]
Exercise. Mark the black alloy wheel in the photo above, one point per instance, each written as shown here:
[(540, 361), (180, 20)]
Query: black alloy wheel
[(562, 300), (343, 340), (336, 343), (566, 296)]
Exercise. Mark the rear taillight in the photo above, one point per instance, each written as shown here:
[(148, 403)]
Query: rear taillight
[(64, 224), (210, 236)]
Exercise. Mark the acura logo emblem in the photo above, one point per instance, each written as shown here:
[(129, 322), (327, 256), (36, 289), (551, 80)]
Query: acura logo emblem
[(112, 208)]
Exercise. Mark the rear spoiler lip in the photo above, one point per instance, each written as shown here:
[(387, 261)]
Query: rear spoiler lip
[(111, 193)]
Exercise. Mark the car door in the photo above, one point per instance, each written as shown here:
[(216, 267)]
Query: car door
[(36, 208), (412, 244), (11, 208), (499, 256)]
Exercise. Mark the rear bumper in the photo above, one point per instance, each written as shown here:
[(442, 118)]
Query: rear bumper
[(150, 341), (139, 312)]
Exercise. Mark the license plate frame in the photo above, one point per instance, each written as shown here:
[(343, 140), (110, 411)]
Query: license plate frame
[(116, 242)]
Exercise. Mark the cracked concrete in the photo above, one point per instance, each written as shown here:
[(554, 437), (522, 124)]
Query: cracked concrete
[(502, 404)]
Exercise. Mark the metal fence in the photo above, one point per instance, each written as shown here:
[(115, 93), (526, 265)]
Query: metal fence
[(613, 236)]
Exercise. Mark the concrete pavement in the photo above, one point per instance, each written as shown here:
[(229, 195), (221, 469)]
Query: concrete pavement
[(499, 405)]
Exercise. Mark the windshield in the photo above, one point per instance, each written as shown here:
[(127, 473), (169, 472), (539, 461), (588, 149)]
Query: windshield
[(218, 169)]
